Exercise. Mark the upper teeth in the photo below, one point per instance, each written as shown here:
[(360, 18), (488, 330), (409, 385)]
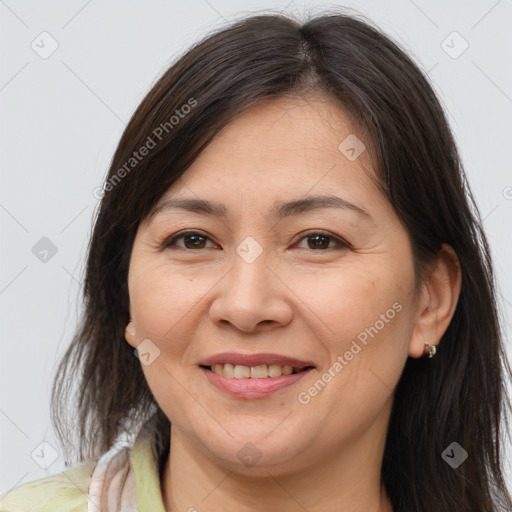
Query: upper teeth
[(261, 371)]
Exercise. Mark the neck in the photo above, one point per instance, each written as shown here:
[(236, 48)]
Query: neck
[(348, 480)]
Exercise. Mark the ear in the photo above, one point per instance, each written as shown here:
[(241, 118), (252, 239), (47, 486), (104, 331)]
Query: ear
[(130, 334), (437, 301)]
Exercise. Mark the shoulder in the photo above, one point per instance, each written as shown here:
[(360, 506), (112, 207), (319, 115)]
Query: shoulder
[(62, 492)]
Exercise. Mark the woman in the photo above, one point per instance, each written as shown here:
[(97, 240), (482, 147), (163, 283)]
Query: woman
[(290, 302)]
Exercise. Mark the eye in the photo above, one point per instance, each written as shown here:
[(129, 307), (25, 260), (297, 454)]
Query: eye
[(321, 240), (193, 240)]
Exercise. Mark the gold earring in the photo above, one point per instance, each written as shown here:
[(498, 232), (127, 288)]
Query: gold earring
[(430, 350)]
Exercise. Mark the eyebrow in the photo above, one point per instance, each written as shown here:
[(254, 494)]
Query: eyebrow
[(279, 210)]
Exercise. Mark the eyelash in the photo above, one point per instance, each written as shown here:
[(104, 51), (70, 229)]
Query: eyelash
[(170, 242)]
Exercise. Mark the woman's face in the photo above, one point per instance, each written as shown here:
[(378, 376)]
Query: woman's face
[(262, 277)]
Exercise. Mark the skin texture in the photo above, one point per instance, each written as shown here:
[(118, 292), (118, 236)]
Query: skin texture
[(295, 299)]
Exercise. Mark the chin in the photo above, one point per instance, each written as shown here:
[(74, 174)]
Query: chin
[(256, 454)]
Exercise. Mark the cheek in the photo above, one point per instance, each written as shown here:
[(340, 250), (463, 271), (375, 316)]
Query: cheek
[(363, 320), (162, 301), (343, 302)]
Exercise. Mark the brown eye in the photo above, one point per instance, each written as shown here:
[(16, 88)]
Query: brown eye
[(191, 240), (320, 240)]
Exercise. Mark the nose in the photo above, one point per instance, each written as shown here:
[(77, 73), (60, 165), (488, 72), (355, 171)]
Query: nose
[(251, 297)]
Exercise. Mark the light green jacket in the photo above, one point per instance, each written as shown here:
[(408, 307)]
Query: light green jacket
[(126, 478)]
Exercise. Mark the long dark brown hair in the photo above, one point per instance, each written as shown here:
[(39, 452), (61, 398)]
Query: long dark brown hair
[(458, 396)]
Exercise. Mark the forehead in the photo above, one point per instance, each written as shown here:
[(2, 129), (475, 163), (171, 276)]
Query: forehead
[(287, 148), (291, 127), (301, 139)]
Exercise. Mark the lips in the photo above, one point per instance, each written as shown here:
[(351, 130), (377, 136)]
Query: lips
[(249, 376), (254, 360), (249, 388)]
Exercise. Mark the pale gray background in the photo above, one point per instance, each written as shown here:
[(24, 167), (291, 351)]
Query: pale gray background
[(62, 117)]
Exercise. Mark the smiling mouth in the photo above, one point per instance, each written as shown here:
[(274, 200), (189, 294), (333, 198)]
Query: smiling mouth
[(261, 371)]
